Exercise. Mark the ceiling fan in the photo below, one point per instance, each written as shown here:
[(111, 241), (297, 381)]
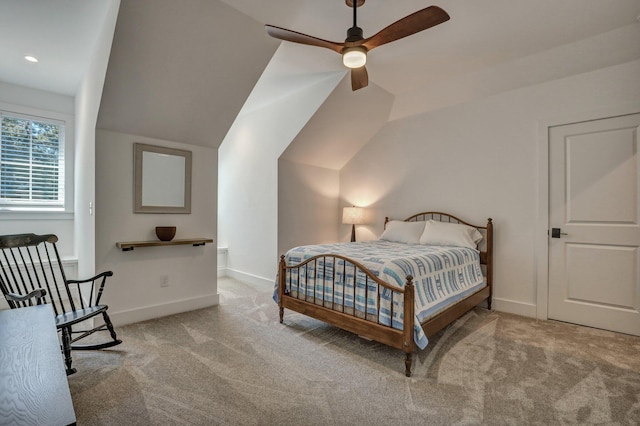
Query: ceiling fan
[(355, 47)]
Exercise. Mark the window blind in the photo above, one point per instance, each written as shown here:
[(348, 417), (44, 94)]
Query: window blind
[(31, 162)]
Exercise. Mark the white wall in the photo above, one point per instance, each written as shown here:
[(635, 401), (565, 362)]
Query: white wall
[(87, 103), (480, 160), (75, 229), (134, 292), (308, 211), (37, 102), (248, 170)]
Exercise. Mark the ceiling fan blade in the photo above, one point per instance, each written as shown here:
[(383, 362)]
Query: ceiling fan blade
[(296, 37), (411, 24), (359, 78)]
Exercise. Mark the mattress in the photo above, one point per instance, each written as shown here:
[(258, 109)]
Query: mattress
[(442, 275)]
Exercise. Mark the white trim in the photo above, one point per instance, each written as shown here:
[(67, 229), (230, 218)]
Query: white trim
[(32, 112), (223, 252), (514, 307), (162, 310), (542, 224), (541, 240), (67, 262), (249, 278), (35, 215)]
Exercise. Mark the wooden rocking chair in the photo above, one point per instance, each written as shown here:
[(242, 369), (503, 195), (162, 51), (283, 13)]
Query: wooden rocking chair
[(31, 272)]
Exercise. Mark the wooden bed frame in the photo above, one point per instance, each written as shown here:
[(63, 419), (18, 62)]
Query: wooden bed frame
[(368, 326)]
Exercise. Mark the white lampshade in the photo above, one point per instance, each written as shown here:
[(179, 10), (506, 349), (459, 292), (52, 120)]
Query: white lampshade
[(354, 57), (353, 215)]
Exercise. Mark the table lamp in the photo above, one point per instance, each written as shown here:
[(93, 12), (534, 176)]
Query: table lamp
[(353, 216)]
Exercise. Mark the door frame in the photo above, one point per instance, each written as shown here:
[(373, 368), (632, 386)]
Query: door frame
[(541, 238)]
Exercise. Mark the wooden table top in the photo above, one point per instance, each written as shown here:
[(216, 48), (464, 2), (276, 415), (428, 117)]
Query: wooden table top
[(33, 383)]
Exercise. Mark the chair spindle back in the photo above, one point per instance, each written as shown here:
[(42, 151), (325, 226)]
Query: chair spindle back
[(29, 262)]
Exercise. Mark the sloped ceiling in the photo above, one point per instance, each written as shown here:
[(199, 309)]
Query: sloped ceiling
[(181, 70), (480, 34), (283, 76), (487, 47), (341, 126)]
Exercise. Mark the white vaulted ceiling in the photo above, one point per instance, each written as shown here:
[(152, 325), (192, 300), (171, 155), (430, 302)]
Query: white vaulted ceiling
[(183, 70), (480, 34)]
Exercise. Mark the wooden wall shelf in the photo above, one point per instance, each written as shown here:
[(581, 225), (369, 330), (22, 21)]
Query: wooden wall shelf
[(130, 245)]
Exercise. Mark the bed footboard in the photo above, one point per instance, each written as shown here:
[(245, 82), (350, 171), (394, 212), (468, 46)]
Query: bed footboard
[(344, 293)]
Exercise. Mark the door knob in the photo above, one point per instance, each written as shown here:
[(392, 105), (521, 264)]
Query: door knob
[(556, 233)]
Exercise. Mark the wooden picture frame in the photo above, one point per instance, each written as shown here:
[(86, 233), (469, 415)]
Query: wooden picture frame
[(162, 179)]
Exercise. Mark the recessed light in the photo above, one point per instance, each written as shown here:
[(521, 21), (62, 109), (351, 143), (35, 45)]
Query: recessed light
[(31, 58)]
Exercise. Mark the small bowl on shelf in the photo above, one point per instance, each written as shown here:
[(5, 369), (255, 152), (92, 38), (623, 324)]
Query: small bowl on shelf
[(165, 233)]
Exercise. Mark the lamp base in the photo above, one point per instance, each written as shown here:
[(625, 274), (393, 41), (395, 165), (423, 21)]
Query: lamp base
[(353, 233)]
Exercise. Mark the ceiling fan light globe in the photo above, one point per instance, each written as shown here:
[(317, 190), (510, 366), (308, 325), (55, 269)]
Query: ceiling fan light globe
[(355, 57)]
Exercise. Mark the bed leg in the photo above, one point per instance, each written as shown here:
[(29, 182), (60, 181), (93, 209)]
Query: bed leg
[(281, 315), (407, 363), (489, 303)]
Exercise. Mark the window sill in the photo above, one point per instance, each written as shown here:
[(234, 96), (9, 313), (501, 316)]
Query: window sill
[(35, 215)]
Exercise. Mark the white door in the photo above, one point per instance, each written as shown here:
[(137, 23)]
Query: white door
[(594, 264)]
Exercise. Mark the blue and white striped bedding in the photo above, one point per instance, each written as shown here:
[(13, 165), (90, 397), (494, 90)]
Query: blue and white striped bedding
[(442, 276)]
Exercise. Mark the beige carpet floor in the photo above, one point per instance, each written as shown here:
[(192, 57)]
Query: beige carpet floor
[(235, 364)]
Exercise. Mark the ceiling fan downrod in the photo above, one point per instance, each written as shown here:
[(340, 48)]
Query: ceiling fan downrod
[(354, 33)]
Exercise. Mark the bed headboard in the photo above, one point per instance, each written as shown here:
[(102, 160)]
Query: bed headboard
[(485, 246)]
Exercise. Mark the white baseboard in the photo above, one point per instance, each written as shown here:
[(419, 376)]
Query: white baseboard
[(513, 307), (223, 252), (156, 311), (249, 278)]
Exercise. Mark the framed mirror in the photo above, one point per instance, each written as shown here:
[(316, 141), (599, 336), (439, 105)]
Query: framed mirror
[(162, 179)]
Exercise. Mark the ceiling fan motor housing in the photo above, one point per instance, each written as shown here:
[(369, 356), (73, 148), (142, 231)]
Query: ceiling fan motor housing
[(354, 34), (354, 55)]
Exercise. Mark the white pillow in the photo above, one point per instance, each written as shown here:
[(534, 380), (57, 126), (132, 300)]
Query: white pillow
[(403, 232), (450, 234)]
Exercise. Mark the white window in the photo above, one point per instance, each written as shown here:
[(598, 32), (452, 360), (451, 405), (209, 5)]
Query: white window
[(32, 163)]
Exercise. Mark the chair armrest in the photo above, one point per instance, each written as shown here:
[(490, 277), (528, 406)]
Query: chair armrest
[(38, 294), (101, 278), (100, 275)]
